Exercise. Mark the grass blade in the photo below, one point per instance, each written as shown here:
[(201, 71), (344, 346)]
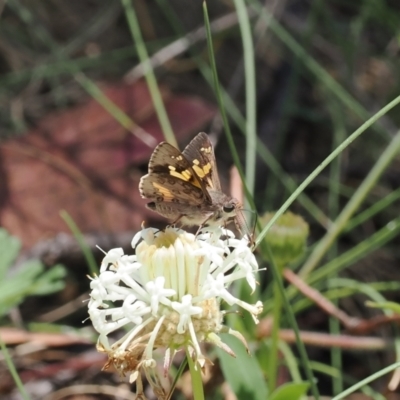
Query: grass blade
[(149, 75), (250, 79), (321, 167)]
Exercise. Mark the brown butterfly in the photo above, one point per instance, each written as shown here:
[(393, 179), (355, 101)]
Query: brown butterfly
[(185, 187)]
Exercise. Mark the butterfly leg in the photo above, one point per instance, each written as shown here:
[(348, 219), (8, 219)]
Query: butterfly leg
[(203, 224), (173, 223), (200, 228)]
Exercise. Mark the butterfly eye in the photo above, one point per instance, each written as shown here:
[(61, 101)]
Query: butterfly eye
[(228, 208)]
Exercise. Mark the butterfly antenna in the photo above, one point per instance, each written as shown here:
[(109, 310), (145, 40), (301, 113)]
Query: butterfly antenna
[(243, 225)]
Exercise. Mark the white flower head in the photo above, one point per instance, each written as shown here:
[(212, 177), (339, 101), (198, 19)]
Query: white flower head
[(168, 294)]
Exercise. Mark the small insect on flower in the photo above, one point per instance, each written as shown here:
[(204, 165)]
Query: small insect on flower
[(185, 187), (168, 296)]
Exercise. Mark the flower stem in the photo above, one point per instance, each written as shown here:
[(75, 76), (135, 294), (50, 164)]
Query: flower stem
[(13, 371), (195, 372), (273, 360), (266, 251)]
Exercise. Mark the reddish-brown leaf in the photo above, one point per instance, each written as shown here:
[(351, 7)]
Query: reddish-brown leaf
[(83, 161)]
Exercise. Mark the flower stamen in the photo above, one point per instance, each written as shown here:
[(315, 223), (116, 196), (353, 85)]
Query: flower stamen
[(168, 295)]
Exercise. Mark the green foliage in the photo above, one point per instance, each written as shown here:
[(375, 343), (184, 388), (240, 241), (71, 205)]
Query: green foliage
[(292, 391), (385, 305), (30, 279), (9, 248), (244, 374)]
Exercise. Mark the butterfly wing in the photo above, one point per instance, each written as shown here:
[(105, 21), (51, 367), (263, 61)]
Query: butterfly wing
[(200, 155), (171, 178)]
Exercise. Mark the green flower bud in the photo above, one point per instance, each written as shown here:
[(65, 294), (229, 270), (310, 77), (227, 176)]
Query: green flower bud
[(287, 237)]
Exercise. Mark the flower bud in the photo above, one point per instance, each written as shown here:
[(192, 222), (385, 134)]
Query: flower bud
[(287, 237)]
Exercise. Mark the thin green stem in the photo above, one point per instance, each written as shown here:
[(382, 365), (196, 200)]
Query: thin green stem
[(149, 73), (176, 378), (267, 255), (72, 68), (291, 361), (312, 65), (227, 129), (13, 370), (195, 373), (273, 358), (361, 250), (251, 107), (114, 110), (352, 206), (51, 68), (365, 381), (339, 134), (91, 262), (326, 162), (376, 207)]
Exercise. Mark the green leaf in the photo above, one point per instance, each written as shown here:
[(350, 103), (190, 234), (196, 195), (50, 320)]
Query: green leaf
[(19, 284), (9, 249), (385, 305), (29, 280), (292, 391), (243, 373), (29, 270), (49, 282)]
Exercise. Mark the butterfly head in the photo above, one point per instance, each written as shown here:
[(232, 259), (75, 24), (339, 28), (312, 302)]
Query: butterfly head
[(224, 207)]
